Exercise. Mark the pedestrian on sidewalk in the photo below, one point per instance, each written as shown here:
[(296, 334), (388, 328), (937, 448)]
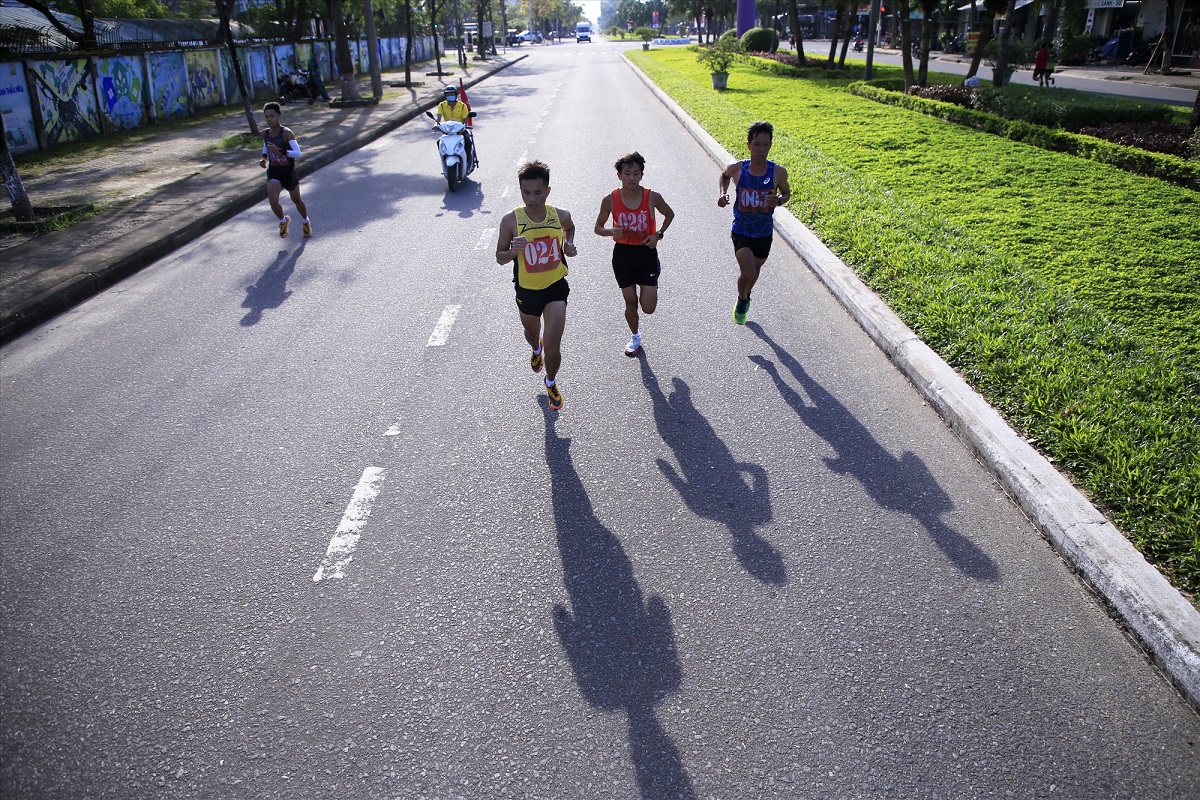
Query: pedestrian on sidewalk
[(1041, 66), (538, 238), (636, 235), (279, 155), (314, 78), (761, 186)]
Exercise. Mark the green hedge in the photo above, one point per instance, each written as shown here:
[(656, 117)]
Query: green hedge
[(1131, 159), (760, 40)]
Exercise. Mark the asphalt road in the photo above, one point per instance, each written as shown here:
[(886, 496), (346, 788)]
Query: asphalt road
[(751, 563)]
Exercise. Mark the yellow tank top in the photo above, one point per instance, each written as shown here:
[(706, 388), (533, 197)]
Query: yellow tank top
[(541, 262)]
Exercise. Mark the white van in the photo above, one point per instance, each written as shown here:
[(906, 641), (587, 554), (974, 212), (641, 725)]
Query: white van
[(583, 32)]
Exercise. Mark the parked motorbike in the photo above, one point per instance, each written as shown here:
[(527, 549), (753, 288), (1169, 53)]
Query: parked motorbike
[(452, 148), (296, 86)]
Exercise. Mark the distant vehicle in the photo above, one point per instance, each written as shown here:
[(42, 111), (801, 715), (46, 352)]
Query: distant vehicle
[(583, 32), (533, 37), (513, 38)]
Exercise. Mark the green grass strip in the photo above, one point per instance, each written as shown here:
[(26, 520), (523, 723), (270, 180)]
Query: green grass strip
[(1065, 291)]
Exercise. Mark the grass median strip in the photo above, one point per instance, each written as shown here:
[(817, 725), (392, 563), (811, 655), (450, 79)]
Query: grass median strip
[(1064, 290)]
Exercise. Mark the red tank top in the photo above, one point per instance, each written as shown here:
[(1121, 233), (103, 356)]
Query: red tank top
[(638, 223)]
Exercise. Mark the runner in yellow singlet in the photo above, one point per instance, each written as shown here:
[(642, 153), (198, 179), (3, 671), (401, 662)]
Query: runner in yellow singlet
[(538, 238)]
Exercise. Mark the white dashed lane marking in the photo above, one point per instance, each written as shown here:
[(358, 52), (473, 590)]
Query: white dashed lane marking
[(486, 237), (345, 539), (441, 331)]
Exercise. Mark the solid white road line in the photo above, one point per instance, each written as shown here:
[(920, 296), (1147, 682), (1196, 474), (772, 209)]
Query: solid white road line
[(345, 539), (441, 331)]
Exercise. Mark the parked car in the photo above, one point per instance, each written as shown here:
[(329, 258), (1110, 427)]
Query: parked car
[(533, 37), (513, 38)]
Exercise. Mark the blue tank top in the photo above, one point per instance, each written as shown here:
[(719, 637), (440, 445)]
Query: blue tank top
[(751, 215)]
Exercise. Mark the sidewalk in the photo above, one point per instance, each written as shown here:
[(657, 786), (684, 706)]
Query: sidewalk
[(162, 191)]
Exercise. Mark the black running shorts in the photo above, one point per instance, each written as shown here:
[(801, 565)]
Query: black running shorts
[(534, 301), (286, 176), (635, 263), (760, 246)]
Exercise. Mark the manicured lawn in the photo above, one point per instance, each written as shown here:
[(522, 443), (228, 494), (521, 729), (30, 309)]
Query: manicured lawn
[(1065, 291)]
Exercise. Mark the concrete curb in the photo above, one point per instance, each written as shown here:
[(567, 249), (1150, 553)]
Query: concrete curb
[(239, 194), (1162, 619)]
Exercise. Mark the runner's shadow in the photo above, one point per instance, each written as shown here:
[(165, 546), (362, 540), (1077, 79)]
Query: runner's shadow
[(621, 646), (270, 290), (712, 483), (900, 484)]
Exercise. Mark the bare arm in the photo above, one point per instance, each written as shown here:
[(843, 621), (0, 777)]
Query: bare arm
[(783, 189), (602, 217), (568, 226), (508, 244), (660, 205), (727, 174)]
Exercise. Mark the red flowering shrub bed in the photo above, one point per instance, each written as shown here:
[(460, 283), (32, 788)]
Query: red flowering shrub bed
[(1159, 137)]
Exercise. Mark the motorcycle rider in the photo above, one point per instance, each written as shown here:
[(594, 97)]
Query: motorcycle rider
[(449, 109)]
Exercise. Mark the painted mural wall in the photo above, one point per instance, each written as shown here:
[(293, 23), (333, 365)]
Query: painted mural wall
[(17, 109), (204, 86), (121, 87), (285, 60), (168, 84), (47, 103), (65, 100), (261, 70)]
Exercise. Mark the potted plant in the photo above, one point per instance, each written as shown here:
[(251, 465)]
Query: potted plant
[(718, 57), (646, 35), (1016, 55)]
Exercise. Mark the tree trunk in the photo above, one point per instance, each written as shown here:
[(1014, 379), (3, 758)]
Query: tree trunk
[(985, 36), (1001, 69), (479, 11), (794, 24), (926, 40), (437, 45), (345, 62), (22, 208), (224, 32), (846, 38), (408, 42), (373, 51), (906, 45), (460, 38), (1167, 41), (833, 39), (1195, 122)]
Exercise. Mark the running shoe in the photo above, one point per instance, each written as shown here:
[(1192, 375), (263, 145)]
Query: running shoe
[(307, 229), (555, 395), (635, 344), (283, 225), (740, 310), (537, 359)]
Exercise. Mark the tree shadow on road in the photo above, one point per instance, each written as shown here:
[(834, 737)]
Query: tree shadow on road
[(620, 646), (270, 290), (900, 484), (712, 482)]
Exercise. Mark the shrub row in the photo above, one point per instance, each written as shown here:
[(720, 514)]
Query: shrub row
[(1155, 165)]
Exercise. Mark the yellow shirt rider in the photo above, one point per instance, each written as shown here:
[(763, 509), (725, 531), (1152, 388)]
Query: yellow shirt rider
[(452, 109)]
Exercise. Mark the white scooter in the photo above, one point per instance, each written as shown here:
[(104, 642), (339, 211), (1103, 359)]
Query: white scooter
[(453, 149)]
